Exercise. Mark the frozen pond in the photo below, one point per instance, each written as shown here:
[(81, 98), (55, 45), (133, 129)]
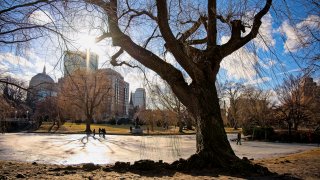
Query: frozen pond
[(77, 148)]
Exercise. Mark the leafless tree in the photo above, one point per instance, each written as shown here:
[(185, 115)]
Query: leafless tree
[(84, 91), (189, 32), (13, 90), (48, 109), (295, 108), (232, 91), (255, 108), (12, 100), (5, 111)]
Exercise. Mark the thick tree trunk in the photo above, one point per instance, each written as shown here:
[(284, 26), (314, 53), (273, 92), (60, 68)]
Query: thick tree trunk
[(212, 144)]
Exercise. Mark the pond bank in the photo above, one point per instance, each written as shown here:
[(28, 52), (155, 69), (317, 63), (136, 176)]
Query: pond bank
[(304, 165)]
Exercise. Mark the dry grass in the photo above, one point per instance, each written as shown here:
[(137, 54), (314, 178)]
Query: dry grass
[(305, 165), (69, 127), (232, 130)]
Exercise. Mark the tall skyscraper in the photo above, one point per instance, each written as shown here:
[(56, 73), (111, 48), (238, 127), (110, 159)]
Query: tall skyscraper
[(74, 60), (126, 97), (139, 98)]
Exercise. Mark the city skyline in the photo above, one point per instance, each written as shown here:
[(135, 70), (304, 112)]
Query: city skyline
[(42, 85)]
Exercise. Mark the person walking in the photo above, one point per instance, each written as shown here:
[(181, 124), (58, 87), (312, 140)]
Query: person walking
[(103, 133), (94, 132), (239, 138)]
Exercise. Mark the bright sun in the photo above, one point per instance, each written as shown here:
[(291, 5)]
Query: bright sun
[(85, 41)]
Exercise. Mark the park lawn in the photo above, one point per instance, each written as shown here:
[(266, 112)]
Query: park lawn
[(70, 127), (232, 130)]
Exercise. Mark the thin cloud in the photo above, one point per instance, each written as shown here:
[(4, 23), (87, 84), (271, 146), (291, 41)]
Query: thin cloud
[(240, 64), (257, 81), (265, 38), (22, 68), (298, 36), (290, 71), (267, 63)]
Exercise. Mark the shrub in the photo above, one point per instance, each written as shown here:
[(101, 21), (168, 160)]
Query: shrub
[(102, 122), (123, 121), (297, 136), (78, 121), (112, 121), (259, 133)]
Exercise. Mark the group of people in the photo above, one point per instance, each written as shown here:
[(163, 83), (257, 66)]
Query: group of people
[(102, 131)]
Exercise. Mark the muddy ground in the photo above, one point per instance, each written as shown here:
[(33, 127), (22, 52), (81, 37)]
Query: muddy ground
[(304, 165)]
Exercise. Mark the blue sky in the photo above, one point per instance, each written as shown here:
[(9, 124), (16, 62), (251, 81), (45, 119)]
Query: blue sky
[(274, 61)]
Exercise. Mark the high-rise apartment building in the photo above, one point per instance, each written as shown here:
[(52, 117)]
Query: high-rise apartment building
[(118, 102), (75, 60), (311, 96), (310, 89)]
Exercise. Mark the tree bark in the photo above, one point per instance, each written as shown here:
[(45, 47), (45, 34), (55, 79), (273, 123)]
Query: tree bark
[(212, 144)]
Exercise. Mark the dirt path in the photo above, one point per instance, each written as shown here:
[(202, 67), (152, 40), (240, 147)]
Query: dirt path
[(303, 165)]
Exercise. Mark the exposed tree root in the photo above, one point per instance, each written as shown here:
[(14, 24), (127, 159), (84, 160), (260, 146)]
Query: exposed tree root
[(236, 167)]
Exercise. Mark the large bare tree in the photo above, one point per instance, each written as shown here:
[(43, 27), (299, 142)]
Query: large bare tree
[(85, 92), (198, 54)]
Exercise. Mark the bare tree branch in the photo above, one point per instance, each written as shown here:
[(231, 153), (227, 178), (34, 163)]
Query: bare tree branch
[(236, 41), (212, 23)]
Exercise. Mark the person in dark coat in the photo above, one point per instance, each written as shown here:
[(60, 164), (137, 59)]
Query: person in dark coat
[(103, 132), (239, 138)]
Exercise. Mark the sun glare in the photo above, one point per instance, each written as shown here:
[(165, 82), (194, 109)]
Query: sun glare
[(86, 42)]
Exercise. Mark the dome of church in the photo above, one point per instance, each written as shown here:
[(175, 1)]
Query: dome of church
[(40, 78)]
